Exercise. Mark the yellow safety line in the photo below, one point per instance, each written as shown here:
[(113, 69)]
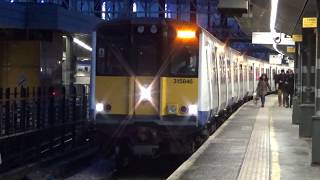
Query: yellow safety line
[(275, 173)]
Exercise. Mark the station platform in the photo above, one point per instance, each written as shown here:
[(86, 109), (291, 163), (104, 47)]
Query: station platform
[(254, 143)]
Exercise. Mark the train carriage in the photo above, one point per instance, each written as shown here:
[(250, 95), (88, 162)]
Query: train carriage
[(162, 85)]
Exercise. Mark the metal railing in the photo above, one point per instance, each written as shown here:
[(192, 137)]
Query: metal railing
[(35, 122)]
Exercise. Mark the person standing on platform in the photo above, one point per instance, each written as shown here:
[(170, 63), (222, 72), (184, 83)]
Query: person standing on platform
[(262, 88), (275, 78), (281, 90), (285, 90), (289, 88)]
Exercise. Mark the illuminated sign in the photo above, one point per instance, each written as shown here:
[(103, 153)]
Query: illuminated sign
[(297, 38), (275, 59), (291, 49), (309, 22), (271, 38)]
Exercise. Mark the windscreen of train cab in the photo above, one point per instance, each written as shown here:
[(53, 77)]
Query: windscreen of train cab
[(183, 56), (147, 49), (113, 48)]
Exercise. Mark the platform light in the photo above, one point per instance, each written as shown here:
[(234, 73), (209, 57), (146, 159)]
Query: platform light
[(221, 47), (82, 44), (273, 16), (134, 7), (103, 8), (186, 34)]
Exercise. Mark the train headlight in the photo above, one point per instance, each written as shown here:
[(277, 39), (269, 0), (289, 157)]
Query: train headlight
[(193, 109), (99, 107), (145, 93), (172, 109)]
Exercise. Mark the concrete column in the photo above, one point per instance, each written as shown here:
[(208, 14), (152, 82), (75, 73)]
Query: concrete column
[(297, 85), (307, 82), (316, 117)]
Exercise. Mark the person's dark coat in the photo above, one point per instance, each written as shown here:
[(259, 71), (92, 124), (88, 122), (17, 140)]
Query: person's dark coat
[(281, 81), (290, 83), (262, 88)]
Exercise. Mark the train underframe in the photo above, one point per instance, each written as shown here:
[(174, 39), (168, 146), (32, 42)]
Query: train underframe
[(153, 138)]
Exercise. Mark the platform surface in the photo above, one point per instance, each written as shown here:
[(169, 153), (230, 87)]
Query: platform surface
[(254, 143)]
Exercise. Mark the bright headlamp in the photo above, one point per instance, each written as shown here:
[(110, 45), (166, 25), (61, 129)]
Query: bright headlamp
[(193, 109), (99, 107), (145, 93)]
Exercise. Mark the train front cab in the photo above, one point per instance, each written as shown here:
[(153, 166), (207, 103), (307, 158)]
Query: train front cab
[(146, 91)]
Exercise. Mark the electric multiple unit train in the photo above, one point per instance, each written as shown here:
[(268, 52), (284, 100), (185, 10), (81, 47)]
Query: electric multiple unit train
[(161, 85)]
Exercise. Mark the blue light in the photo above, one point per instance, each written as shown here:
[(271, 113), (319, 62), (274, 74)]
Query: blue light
[(134, 7), (11, 1), (103, 8)]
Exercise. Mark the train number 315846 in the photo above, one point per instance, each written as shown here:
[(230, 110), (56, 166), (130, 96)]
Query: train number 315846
[(182, 81)]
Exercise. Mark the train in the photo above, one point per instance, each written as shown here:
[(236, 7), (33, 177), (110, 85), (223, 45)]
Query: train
[(163, 85)]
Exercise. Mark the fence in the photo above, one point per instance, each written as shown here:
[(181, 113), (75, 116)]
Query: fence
[(39, 121)]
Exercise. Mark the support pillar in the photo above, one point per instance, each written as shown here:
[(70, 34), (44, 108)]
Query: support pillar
[(162, 8), (193, 11), (209, 16), (307, 82), (316, 117), (296, 100), (68, 68), (92, 103)]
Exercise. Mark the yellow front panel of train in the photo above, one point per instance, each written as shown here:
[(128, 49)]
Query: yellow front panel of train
[(114, 91), (178, 92)]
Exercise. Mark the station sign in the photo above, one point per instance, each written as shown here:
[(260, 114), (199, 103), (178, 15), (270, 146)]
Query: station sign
[(291, 49), (271, 38), (297, 38), (309, 22), (275, 59)]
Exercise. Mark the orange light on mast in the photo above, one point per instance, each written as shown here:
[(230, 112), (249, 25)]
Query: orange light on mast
[(186, 34)]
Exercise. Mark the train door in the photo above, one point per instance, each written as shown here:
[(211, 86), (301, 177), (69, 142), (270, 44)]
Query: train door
[(254, 76), (245, 81), (215, 80), (233, 94), (225, 81), (251, 78), (229, 82), (236, 79), (222, 74), (269, 75), (241, 81), (208, 66), (273, 82)]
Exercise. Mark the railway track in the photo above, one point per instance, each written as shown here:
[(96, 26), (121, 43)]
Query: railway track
[(140, 168)]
